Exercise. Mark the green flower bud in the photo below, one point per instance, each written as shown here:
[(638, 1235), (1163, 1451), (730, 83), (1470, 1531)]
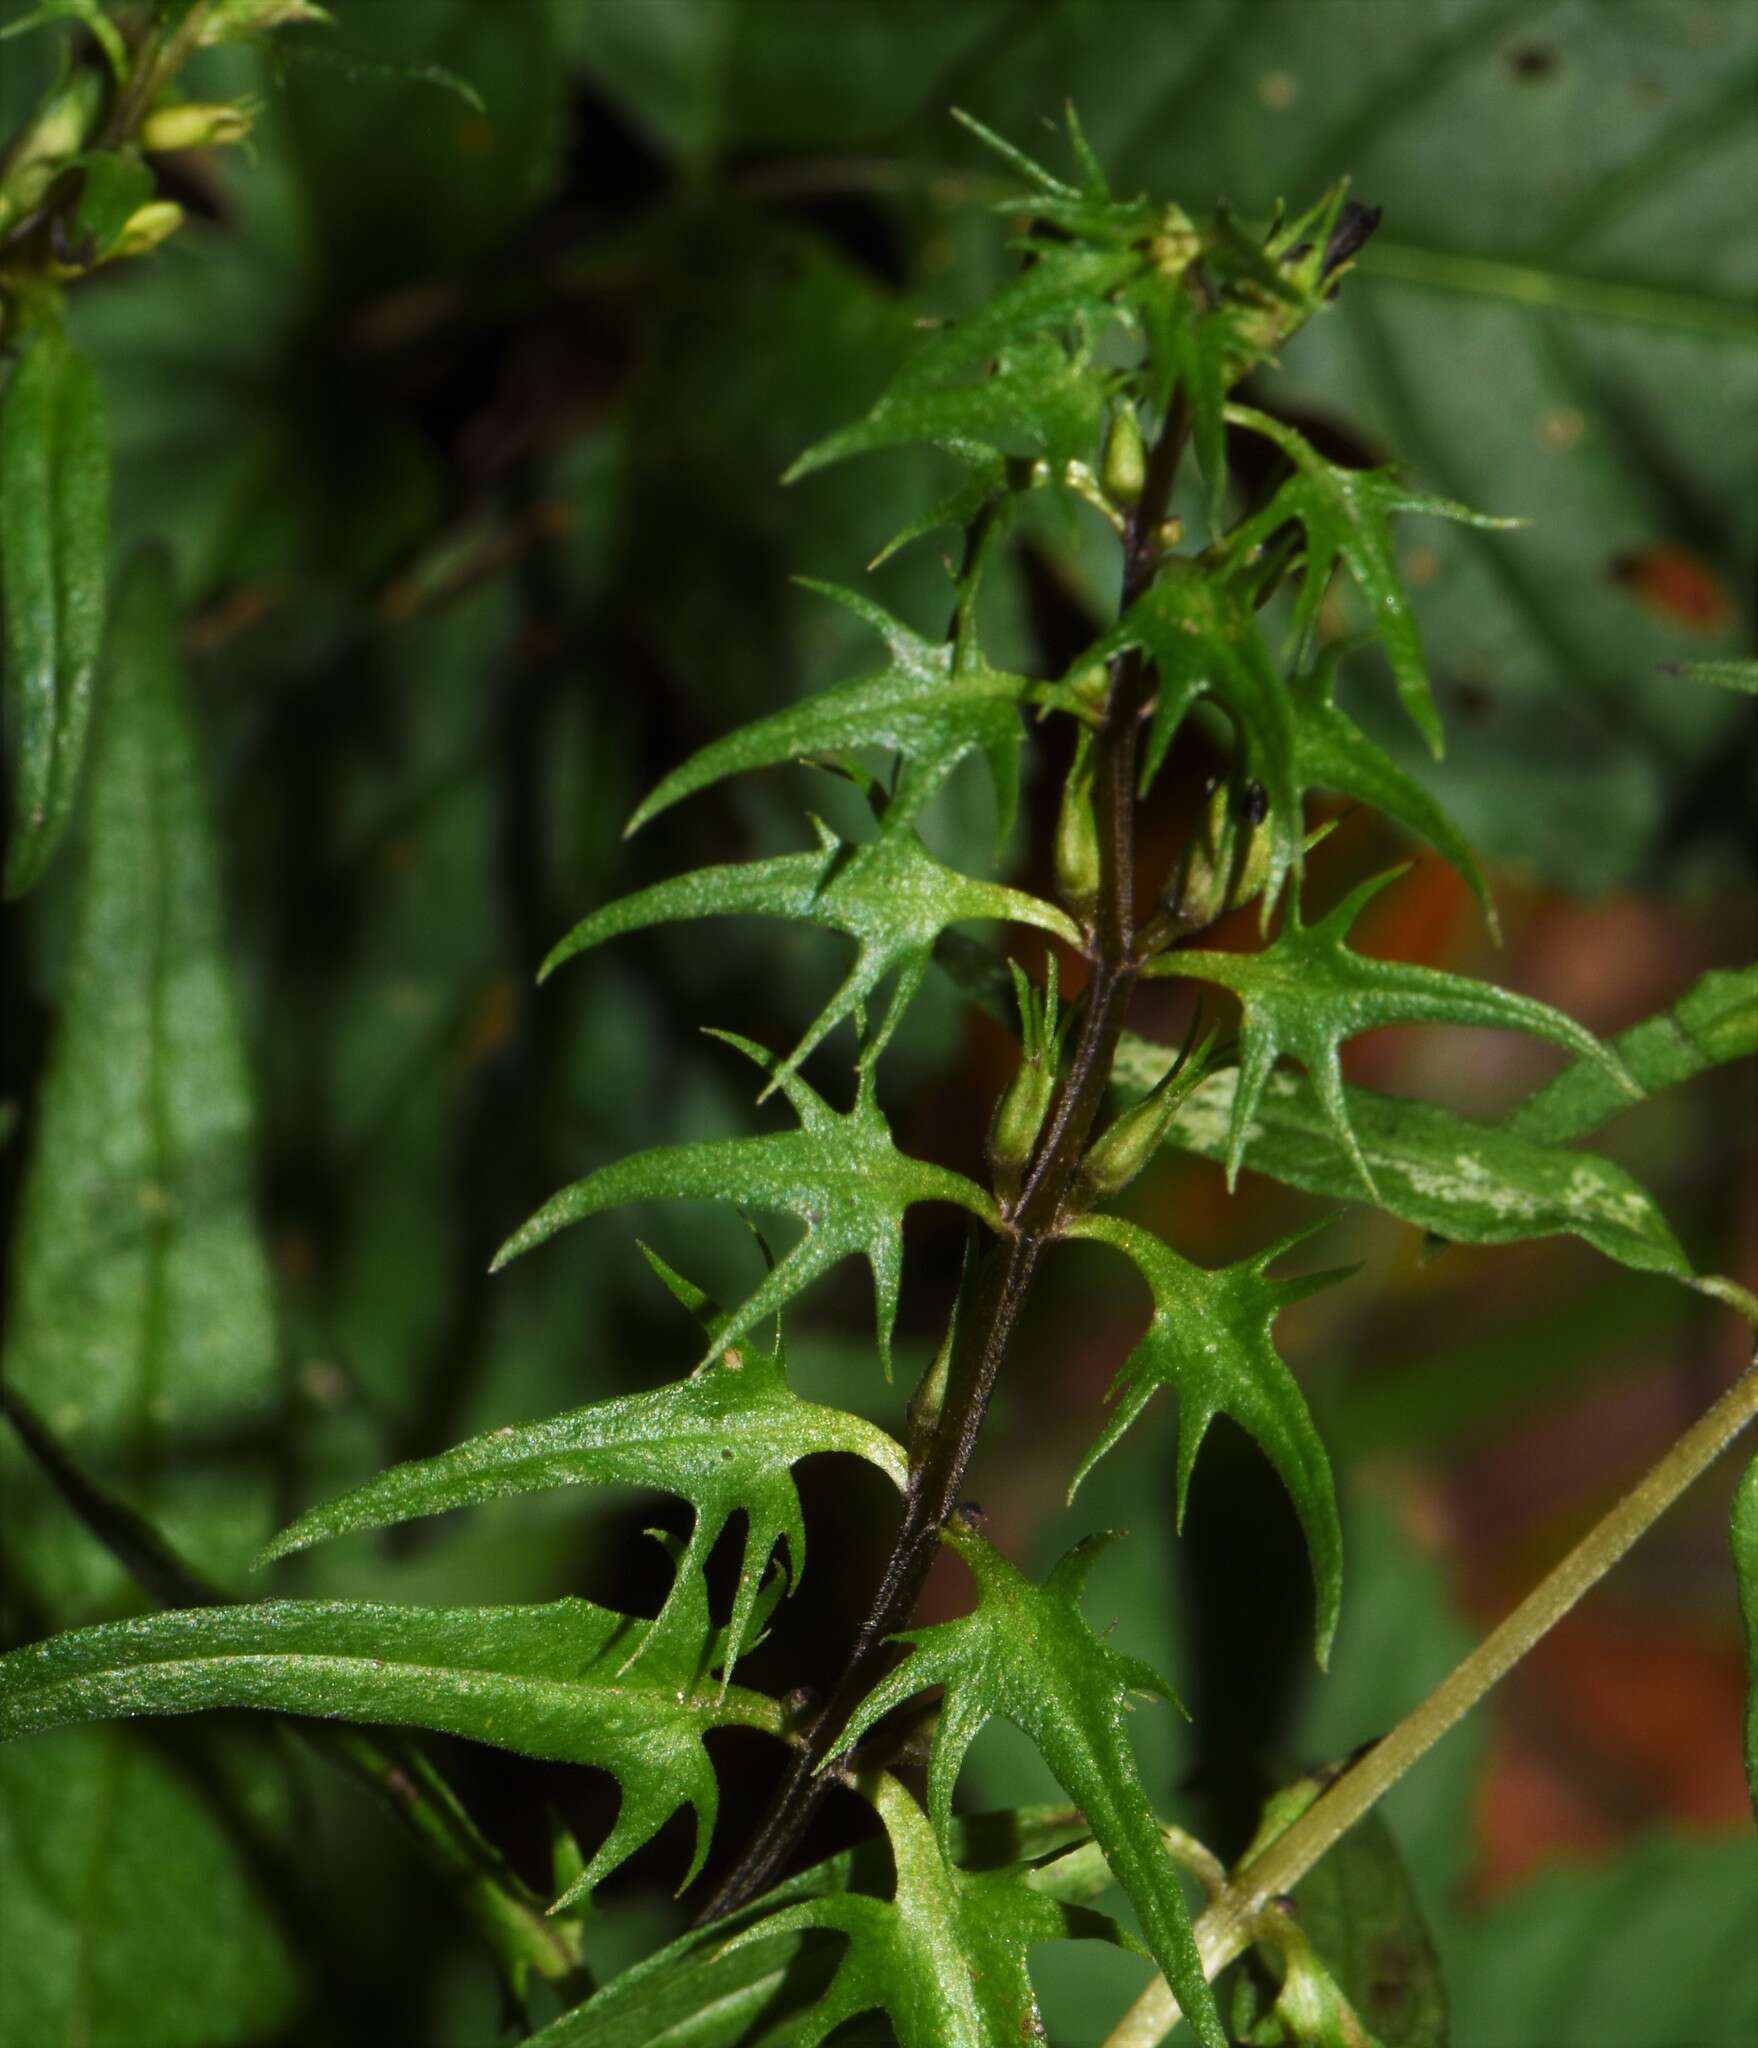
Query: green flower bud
[(1228, 861), (1077, 838), (48, 143), (194, 124), (1124, 470), (145, 229), (1019, 1115), (1119, 1153)]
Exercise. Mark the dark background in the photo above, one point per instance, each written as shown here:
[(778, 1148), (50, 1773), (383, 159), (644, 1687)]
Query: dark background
[(465, 428)]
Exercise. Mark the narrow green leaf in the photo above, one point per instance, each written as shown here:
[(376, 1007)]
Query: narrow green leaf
[(54, 534), (1743, 1533), (1307, 992), (839, 1173), (1210, 1340), (1346, 515), (1332, 752), (891, 896), (726, 1440), (927, 705), (549, 1682), (1026, 1653), (945, 1956), (1201, 632), (1715, 1021), (117, 184), (1725, 675)]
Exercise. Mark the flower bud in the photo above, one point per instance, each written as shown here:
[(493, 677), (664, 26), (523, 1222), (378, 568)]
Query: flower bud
[(145, 229), (1119, 1153), (1077, 838), (194, 124), (1124, 469), (48, 143), (1019, 1116), (1228, 861)]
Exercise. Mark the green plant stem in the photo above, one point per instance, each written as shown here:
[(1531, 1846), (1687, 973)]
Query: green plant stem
[(1003, 1279), (1227, 1927), (509, 1916)]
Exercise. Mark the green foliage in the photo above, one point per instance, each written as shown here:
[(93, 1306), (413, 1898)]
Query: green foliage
[(552, 1682), (1026, 1653), (358, 406), (1307, 992), (726, 1440), (839, 1173), (54, 534), (1210, 1340)]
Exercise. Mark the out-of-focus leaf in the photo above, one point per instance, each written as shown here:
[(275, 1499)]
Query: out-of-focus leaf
[(1332, 752), (1210, 1340), (1307, 992), (1743, 1533), (549, 1681), (1714, 1021), (891, 896), (726, 1440), (945, 1956), (1345, 514), (117, 184), (54, 539), (142, 1328), (1026, 1653), (934, 704), (839, 1173), (703, 1991), (1202, 633)]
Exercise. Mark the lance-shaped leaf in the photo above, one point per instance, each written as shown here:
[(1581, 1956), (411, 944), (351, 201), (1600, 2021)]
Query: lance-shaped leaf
[(1743, 1532), (1307, 992), (1725, 675), (1211, 1340), (548, 1682), (54, 536), (1332, 752), (1025, 1652), (1448, 1174), (726, 1440), (891, 896), (1201, 632), (839, 1173), (933, 703), (945, 1957), (1346, 514)]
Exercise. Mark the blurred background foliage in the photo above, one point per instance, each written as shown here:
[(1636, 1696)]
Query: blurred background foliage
[(463, 423)]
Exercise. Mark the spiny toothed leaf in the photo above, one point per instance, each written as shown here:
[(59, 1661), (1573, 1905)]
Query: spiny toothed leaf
[(726, 1440), (1346, 514), (1210, 1339), (54, 537), (1473, 1183), (1201, 632), (1025, 1652), (705, 1991), (945, 1956), (1332, 752), (1307, 992), (891, 896), (984, 481), (1743, 1532), (549, 1682), (1714, 1021), (839, 1173), (933, 703), (1088, 211)]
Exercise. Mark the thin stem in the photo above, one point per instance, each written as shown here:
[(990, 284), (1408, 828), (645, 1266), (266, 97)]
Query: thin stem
[(1226, 1928), (1003, 1279)]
